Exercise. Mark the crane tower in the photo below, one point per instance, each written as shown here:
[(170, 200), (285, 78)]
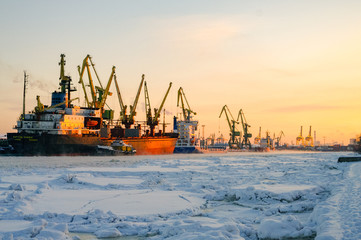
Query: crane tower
[(309, 139), (300, 139)]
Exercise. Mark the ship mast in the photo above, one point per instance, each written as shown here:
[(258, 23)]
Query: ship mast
[(65, 81), (25, 83)]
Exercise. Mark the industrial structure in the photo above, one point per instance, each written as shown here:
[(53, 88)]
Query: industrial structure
[(63, 128), (246, 135), (309, 139), (300, 139), (234, 142), (278, 139), (153, 119)]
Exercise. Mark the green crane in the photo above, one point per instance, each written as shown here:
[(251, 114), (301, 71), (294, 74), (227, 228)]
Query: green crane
[(153, 121), (128, 120), (185, 109), (121, 104), (278, 139), (246, 135), (233, 141)]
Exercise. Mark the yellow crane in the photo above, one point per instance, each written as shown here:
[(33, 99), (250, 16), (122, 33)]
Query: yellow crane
[(309, 139), (187, 111), (234, 134), (86, 66), (153, 121), (300, 139), (40, 108), (103, 93), (98, 93)]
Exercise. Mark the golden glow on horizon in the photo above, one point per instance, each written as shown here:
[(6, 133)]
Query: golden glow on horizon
[(285, 70)]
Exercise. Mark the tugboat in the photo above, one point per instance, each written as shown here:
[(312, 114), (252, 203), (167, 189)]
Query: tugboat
[(118, 147)]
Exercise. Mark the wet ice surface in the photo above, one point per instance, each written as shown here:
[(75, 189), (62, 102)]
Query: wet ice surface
[(278, 195)]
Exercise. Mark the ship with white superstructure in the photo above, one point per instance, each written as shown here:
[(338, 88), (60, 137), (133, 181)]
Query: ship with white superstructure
[(186, 127), (65, 129)]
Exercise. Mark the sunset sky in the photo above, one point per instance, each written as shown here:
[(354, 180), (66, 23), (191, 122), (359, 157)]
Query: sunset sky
[(285, 63)]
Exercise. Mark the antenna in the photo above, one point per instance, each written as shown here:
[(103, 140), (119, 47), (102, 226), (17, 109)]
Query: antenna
[(25, 85)]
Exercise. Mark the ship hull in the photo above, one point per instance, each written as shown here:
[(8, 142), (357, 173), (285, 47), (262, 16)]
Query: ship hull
[(63, 145), (152, 145), (191, 149), (52, 145)]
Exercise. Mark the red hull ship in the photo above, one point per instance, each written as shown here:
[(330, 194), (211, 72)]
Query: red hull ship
[(65, 129), (152, 145)]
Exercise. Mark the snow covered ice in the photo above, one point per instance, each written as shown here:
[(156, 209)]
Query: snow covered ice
[(279, 195)]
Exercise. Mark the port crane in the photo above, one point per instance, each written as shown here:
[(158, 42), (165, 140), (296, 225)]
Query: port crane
[(98, 93), (87, 62), (246, 135), (40, 108), (128, 120), (300, 139), (278, 139), (309, 139), (153, 121), (104, 93), (120, 99), (187, 111), (233, 141)]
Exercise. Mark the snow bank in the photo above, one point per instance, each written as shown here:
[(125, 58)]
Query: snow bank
[(285, 227), (339, 217)]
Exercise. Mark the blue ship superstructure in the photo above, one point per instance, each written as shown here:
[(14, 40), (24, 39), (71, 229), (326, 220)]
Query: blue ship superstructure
[(186, 142), (185, 128)]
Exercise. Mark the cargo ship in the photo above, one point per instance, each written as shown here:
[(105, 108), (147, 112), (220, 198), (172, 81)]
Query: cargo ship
[(185, 126), (187, 141), (65, 129)]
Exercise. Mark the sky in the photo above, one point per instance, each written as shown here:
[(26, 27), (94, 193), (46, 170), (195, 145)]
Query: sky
[(286, 64)]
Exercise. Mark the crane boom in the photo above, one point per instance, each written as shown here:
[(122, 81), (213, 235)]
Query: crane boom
[(81, 70), (153, 121), (148, 109), (103, 93), (128, 120), (83, 86), (134, 106), (278, 139), (245, 126), (157, 111), (186, 111), (95, 71), (233, 141), (225, 109), (122, 107)]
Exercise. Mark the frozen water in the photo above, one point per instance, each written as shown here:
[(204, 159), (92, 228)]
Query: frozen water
[(275, 195)]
